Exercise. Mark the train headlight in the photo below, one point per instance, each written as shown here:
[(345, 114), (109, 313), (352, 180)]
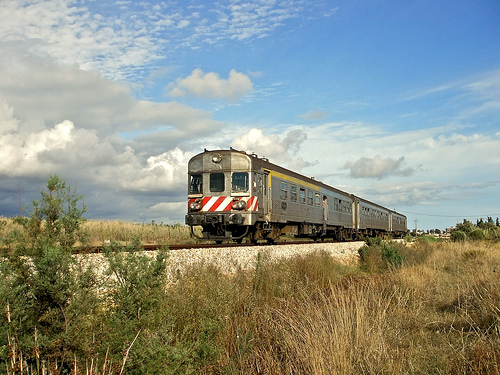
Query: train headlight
[(216, 158), (239, 205), (195, 206)]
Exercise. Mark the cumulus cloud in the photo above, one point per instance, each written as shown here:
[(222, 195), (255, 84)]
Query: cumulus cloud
[(279, 150), (211, 86), (377, 167), (61, 119), (43, 92), (79, 153)]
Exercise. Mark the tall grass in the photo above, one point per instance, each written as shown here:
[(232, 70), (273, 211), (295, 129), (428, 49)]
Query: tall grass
[(101, 231), (436, 310), (104, 231), (438, 313)]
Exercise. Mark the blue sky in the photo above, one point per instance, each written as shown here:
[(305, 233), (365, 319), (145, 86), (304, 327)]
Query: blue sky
[(398, 102)]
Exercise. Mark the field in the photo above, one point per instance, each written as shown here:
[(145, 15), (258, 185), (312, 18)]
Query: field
[(419, 308), (149, 233)]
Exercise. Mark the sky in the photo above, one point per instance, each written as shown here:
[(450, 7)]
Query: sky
[(395, 101)]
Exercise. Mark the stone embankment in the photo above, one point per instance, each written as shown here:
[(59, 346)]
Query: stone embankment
[(230, 259)]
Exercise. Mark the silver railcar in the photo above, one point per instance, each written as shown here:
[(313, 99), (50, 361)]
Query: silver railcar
[(233, 195)]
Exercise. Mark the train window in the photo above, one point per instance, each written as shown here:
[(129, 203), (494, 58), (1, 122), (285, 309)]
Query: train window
[(216, 182), (310, 197), (284, 190), (316, 199), (336, 204), (293, 193), (195, 184), (302, 195), (240, 182)]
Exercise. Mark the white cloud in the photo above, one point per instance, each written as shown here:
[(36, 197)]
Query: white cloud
[(60, 119), (45, 93), (278, 149), (377, 167), (7, 121), (123, 39), (79, 153), (211, 86), (69, 33), (314, 115)]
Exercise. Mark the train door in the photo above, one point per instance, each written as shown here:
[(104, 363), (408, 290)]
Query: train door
[(258, 190), (325, 213), (266, 196), (356, 214)]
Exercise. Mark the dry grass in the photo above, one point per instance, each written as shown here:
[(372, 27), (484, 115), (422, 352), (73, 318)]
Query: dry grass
[(101, 231), (441, 316), (98, 232)]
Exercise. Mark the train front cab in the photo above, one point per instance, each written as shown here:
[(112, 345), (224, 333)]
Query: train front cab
[(225, 196)]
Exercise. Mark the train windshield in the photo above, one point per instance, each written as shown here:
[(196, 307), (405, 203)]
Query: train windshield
[(240, 182), (195, 184), (216, 182)]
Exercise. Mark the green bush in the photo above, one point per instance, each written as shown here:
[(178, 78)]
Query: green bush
[(135, 306), (392, 255), (477, 234), (378, 256), (458, 236), (48, 294)]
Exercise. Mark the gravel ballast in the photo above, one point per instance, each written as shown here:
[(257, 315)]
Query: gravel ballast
[(230, 259)]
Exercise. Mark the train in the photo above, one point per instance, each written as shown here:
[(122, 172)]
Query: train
[(234, 195)]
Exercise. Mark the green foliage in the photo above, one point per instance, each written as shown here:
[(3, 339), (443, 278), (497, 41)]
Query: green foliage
[(477, 234), (278, 318), (392, 255), (42, 285), (55, 220), (378, 255), (467, 227), (135, 304), (428, 239), (482, 230), (458, 236), (373, 241)]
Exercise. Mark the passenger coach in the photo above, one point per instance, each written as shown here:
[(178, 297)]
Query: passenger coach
[(233, 195)]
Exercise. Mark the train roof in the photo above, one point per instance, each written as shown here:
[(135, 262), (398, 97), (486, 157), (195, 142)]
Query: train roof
[(265, 163)]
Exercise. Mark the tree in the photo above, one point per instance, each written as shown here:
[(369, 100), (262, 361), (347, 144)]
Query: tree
[(466, 227), (55, 220), (44, 286)]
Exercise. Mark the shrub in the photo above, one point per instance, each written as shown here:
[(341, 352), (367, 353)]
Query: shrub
[(135, 306), (392, 255), (477, 234), (458, 236), (48, 295), (378, 256)]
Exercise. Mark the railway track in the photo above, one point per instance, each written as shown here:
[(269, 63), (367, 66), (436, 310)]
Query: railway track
[(154, 247)]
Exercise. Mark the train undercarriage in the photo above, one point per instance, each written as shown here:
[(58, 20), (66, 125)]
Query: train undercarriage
[(270, 232)]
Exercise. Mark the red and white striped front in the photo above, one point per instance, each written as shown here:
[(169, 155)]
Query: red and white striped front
[(217, 204)]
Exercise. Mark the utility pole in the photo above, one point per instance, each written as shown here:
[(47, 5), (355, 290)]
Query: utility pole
[(20, 207)]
